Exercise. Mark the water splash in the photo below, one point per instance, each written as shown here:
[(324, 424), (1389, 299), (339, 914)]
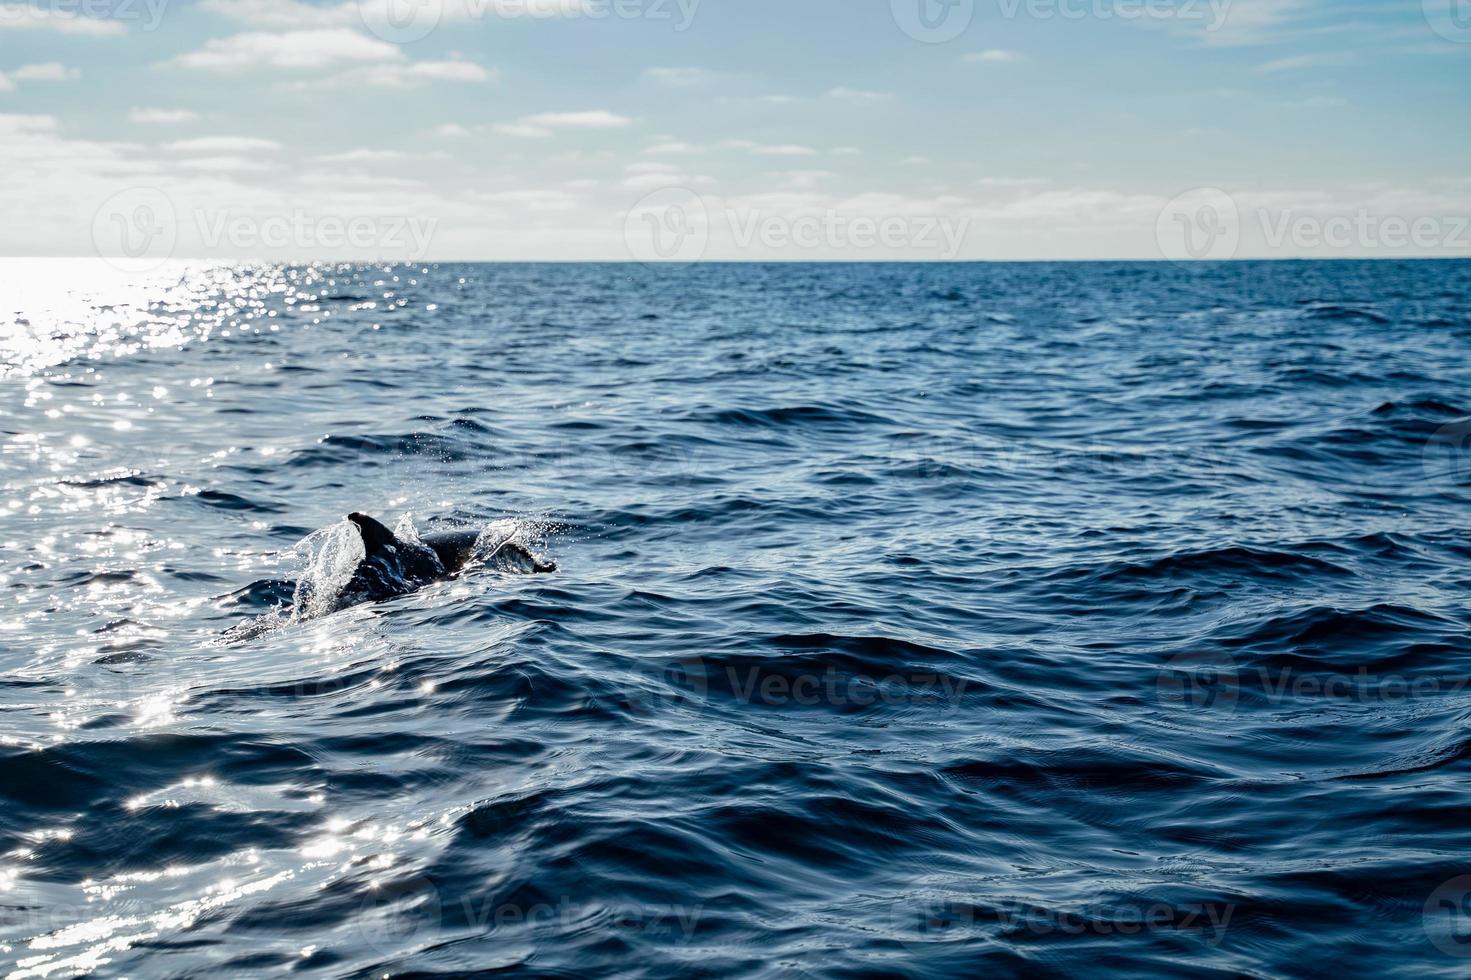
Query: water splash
[(328, 559), (406, 531), (503, 545)]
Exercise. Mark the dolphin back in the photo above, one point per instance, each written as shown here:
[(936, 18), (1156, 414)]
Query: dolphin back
[(457, 549), (376, 537)]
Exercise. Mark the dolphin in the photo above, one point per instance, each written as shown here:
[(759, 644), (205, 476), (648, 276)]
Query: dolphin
[(390, 567), (394, 567)]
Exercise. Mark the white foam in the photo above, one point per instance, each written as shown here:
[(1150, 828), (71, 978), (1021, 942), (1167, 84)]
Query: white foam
[(328, 559)]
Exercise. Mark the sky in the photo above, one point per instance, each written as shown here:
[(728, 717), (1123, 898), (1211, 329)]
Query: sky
[(685, 130)]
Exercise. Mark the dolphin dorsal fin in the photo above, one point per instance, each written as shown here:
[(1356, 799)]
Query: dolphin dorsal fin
[(376, 537)]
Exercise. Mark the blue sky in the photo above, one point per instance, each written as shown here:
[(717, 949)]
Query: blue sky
[(804, 129)]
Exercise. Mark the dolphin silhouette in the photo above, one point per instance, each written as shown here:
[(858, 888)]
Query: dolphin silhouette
[(390, 567), (394, 567)]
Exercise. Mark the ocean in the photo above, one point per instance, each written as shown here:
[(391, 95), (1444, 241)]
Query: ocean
[(1003, 620)]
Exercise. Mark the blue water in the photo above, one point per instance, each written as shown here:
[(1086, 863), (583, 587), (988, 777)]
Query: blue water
[(929, 621)]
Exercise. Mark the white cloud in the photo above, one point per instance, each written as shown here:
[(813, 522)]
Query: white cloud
[(680, 77), (765, 150), (1008, 183), (51, 71), (14, 125), (1296, 62), (763, 100), (296, 15), (653, 174), (665, 178), (857, 94), (59, 182), (1247, 21), (450, 131), (674, 147), (224, 164), (296, 50), (25, 16), (594, 119), (366, 155), (280, 14), (993, 56), (542, 124), (1093, 206), (532, 200), (1317, 102), (161, 117), (223, 145), (337, 181), (802, 180), (521, 130), (916, 161), (415, 73)]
